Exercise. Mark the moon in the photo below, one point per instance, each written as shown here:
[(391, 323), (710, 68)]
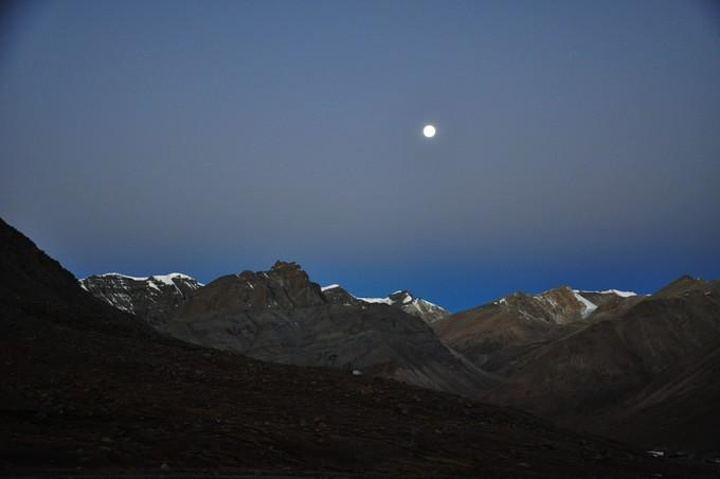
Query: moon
[(429, 131)]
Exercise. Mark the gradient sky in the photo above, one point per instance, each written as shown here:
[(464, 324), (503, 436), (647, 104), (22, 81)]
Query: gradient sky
[(578, 142)]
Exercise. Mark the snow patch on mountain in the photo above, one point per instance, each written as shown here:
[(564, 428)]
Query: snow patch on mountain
[(588, 307), (162, 278), (376, 300), (170, 277), (622, 294)]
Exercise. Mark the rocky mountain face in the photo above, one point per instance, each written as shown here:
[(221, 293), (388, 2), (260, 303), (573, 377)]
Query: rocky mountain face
[(496, 335), (403, 299), (152, 298), (92, 390), (622, 359), (609, 359), (280, 315)]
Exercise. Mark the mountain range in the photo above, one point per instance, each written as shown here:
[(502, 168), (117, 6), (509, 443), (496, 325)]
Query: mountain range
[(115, 372), (578, 358)]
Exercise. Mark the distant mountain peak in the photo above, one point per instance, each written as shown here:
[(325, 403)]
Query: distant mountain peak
[(401, 299), (561, 304), (682, 285), (402, 296), (151, 298), (281, 265)]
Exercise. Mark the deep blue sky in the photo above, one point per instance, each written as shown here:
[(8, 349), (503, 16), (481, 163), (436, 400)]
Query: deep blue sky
[(578, 142)]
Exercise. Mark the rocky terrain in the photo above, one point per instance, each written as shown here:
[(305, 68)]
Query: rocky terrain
[(88, 389), (404, 300), (625, 370), (153, 298), (280, 315), (496, 336)]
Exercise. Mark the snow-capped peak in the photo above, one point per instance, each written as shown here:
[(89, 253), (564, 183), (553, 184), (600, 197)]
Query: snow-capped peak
[(168, 278), (622, 294), (385, 300), (404, 300), (158, 278), (121, 275)]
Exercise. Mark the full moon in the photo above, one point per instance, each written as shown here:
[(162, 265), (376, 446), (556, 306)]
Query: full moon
[(429, 131)]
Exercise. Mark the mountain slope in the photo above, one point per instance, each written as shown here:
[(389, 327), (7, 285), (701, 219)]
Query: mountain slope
[(152, 298), (280, 315), (115, 399), (677, 411), (605, 363), (496, 335)]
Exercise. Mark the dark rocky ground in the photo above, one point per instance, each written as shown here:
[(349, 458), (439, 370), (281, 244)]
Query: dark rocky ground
[(81, 400)]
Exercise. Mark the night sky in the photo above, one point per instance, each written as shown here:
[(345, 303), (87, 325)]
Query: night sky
[(577, 142)]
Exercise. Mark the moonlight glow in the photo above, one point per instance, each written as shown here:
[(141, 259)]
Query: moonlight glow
[(429, 131)]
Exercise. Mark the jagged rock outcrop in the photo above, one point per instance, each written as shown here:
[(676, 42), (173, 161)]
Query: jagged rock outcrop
[(152, 298), (280, 315)]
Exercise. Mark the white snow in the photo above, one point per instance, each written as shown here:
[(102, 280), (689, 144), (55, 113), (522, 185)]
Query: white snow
[(430, 304), (168, 278), (377, 300), (408, 301), (125, 276), (162, 278), (157, 278), (622, 294), (588, 307)]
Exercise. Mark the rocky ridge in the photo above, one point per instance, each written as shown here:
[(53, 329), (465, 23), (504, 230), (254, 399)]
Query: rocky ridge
[(498, 334), (401, 299), (280, 315), (152, 298)]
